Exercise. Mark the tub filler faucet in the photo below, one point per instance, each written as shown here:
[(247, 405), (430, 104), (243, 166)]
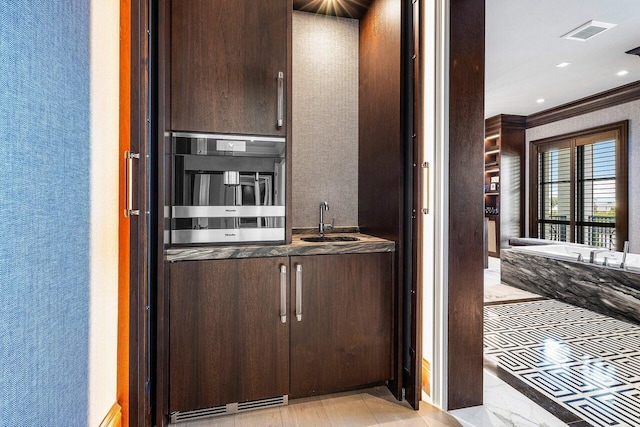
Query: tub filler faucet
[(624, 255), (324, 206), (594, 253)]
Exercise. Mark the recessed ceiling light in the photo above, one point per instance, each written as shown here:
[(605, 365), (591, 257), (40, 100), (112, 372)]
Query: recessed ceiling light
[(540, 100), (563, 64), (622, 73)]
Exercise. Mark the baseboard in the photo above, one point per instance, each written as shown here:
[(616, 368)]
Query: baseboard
[(113, 418), (426, 376)]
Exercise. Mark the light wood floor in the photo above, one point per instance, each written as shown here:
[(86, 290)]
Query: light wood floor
[(370, 407)]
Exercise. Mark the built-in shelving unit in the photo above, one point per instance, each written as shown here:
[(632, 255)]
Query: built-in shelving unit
[(504, 146)]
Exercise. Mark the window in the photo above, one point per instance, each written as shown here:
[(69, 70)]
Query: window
[(579, 187)]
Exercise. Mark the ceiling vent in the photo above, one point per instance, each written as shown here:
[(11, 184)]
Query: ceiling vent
[(587, 31)]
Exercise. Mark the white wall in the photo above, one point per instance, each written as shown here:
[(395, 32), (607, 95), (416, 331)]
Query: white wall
[(325, 118), (103, 323), (629, 111)]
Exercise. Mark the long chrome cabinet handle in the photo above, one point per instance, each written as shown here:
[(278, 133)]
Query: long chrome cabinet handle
[(128, 176), (280, 99), (299, 292), (427, 183), (283, 294)]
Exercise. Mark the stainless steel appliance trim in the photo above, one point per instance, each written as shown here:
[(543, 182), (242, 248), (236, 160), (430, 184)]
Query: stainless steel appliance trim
[(228, 137), (283, 294), (299, 292), (280, 121), (227, 211), (227, 235), (231, 145)]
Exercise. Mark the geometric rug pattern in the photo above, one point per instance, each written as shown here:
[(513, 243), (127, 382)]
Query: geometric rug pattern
[(586, 362)]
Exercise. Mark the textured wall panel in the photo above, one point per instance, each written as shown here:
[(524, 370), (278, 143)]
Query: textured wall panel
[(325, 118), (44, 212), (629, 111)]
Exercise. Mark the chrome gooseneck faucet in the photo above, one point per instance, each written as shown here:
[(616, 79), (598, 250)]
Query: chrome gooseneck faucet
[(324, 206)]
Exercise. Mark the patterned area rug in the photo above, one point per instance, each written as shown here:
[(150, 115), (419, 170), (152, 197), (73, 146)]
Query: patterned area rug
[(586, 362)]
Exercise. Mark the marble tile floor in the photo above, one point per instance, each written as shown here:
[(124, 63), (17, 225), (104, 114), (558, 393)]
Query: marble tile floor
[(498, 293), (582, 365), (504, 406)]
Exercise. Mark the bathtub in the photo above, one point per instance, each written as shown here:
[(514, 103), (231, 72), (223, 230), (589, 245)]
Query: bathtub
[(554, 271), (571, 253)]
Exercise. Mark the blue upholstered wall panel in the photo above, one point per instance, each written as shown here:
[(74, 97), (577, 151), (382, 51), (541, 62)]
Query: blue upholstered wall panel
[(44, 212)]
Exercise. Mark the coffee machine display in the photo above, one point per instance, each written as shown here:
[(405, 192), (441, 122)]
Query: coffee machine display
[(228, 188)]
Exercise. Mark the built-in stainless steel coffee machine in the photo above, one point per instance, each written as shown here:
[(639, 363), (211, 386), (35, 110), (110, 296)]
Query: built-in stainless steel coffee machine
[(228, 188)]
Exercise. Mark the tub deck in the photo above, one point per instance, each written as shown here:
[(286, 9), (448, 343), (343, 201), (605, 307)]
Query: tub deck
[(556, 273)]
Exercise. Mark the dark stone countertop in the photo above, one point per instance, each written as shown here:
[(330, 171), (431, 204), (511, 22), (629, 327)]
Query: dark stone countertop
[(365, 244)]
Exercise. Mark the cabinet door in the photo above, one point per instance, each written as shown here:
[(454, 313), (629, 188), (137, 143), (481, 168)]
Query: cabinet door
[(344, 337), (227, 341), (225, 60)]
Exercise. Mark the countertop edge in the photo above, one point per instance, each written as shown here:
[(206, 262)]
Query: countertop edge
[(366, 244)]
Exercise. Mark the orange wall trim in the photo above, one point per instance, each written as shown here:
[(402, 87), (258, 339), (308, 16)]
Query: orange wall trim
[(123, 225), (426, 376), (113, 418)]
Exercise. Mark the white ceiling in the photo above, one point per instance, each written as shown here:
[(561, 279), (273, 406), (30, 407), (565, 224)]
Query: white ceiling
[(524, 45)]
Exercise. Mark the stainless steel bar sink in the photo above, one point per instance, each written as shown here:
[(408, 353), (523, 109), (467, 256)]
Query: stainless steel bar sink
[(330, 239)]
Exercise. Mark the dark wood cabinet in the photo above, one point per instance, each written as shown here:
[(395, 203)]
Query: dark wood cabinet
[(343, 338), (227, 341), (226, 56), (504, 146)]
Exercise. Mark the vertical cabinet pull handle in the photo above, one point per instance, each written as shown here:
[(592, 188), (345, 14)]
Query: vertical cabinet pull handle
[(128, 188), (299, 292), (283, 294), (427, 183), (280, 121)]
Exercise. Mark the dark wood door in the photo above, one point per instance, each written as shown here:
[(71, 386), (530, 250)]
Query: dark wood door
[(343, 339), (225, 60), (227, 341)]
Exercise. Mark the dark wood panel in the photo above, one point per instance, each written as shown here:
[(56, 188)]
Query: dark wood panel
[(466, 170), (225, 59), (344, 338), (343, 8), (606, 99), (161, 196), (139, 400), (380, 152), (288, 124), (227, 343), (512, 179), (511, 161), (413, 64)]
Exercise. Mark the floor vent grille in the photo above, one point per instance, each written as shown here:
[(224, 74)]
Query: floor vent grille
[(229, 409), (263, 403)]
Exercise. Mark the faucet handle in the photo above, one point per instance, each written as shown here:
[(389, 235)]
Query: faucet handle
[(330, 226)]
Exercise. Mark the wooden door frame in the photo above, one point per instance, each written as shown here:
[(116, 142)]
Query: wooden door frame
[(412, 33), (464, 46), (139, 397)]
